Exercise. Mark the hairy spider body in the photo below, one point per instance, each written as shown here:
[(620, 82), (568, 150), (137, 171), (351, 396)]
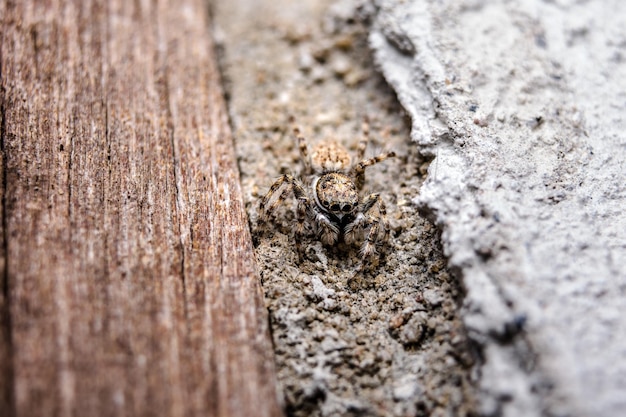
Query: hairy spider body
[(331, 202), (336, 193)]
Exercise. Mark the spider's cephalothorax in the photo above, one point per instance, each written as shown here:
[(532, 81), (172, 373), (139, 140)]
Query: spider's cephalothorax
[(331, 202), (336, 193)]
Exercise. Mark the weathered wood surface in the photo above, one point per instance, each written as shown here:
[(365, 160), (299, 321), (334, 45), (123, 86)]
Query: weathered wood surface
[(128, 277)]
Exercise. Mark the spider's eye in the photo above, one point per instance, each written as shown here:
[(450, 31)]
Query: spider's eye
[(335, 207), (325, 203), (346, 208)]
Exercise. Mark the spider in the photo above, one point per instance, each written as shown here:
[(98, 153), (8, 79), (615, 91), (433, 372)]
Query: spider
[(331, 202)]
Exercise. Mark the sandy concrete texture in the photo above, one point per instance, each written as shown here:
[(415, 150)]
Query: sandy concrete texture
[(389, 342), (522, 105)]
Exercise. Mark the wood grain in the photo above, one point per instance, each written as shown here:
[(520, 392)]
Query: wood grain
[(129, 285)]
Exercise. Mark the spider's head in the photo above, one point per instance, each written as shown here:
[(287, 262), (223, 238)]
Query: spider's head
[(336, 193)]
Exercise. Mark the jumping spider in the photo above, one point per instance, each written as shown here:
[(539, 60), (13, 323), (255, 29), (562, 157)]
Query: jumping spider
[(331, 203)]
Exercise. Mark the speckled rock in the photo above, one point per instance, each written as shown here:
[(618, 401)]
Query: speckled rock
[(521, 104), (386, 342)]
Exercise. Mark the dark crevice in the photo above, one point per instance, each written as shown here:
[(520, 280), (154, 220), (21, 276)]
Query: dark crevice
[(225, 86), (162, 78), (5, 313), (176, 158), (71, 150), (218, 49)]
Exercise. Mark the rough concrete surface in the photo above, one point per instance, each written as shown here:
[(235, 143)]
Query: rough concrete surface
[(389, 342), (522, 105)]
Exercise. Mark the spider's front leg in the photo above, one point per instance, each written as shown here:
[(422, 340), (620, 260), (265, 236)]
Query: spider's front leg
[(276, 196), (373, 219), (355, 231), (303, 209)]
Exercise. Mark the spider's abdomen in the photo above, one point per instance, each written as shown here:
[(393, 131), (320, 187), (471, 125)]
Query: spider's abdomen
[(329, 156), (336, 193)]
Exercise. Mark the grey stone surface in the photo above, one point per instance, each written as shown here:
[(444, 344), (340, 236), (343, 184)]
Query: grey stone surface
[(521, 103)]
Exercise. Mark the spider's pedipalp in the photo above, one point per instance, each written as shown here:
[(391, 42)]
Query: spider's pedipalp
[(328, 231), (354, 230)]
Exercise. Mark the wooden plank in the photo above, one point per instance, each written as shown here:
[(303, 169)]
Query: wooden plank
[(129, 284)]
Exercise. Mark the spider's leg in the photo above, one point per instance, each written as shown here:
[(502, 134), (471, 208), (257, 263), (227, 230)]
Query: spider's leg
[(360, 150), (378, 228), (301, 214), (370, 201), (279, 188), (304, 152), (354, 230), (358, 171)]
